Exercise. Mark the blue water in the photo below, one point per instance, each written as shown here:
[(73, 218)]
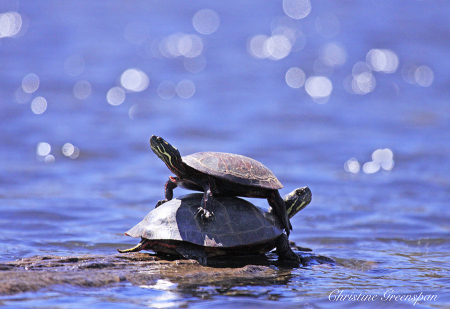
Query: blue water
[(389, 229)]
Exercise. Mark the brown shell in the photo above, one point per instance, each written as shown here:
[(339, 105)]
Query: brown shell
[(236, 223), (235, 168)]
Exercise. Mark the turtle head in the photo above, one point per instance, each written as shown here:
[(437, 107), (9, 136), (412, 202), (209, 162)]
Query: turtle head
[(297, 200), (168, 154)]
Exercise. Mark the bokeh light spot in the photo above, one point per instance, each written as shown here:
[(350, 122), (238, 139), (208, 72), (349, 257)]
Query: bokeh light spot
[(10, 24), (74, 65), (363, 83), (194, 65), (68, 149), (82, 89), (134, 80), (318, 87), (115, 96), (22, 96), (295, 77), (297, 9), (424, 76), (30, 83), (185, 89), (384, 157), (76, 153), (166, 90), (49, 159), (371, 167), (333, 54), (257, 46), (278, 47), (382, 60), (43, 149), (352, 166), (206, 21), (39, 105), (408, 73)]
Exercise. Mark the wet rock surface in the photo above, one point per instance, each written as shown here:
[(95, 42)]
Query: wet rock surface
[(34, 273)]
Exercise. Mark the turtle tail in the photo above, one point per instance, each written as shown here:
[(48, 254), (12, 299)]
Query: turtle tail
[(137, 248)]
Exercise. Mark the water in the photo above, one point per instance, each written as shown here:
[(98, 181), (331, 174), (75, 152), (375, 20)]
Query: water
[(388, 229)]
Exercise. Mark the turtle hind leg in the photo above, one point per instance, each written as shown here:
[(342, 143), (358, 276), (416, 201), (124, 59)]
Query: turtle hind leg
[(284, 251), (203, 211), (140, 246), (278, 205), (191, 252)]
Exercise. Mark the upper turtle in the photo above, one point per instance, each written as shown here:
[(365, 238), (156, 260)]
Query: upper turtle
[(236, 168)]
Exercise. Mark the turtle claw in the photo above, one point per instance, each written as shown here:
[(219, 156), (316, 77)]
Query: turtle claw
[(160, 203), (204, 214)]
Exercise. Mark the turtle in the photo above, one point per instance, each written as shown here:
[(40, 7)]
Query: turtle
[(219, 174), (243, 228)]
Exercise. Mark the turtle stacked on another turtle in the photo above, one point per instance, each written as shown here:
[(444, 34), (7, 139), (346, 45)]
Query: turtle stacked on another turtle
[(219, 174), (217, 222)]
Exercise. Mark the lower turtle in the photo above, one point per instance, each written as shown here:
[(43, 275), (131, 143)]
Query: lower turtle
[(239, 228)]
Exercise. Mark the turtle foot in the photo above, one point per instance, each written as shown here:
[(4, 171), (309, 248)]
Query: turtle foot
[(204, 214), (160, 203)]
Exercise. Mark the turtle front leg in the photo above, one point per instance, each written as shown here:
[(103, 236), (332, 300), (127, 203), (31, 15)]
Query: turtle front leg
[(168, 190), (277, 204), (203, 211)]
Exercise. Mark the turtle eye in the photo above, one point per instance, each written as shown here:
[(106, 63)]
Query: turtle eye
[(159, 139)]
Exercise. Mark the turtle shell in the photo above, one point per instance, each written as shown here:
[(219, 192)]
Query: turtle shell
[(236, 223), (235, 168)]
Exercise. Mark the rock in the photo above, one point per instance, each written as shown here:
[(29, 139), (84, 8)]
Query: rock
[(34, 273)]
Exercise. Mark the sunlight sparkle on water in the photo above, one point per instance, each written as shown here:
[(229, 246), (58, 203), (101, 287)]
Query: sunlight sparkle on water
[(363, 83), (278, 47), (185, 89), (43, 149), (297, 9), (382, 60), (194, 65), (115, 96), (181, 44), (417, 75), (424, 76), (352, 166), (381, 159), (30, 83), (70, 151), (82, 89), (166, 89), (295, 77), (291, 29), (319, 88), (257, 46), (206, 21), (74, 65), (333, 54), (134, 80), (49, 159), (22, 96), (10, 24), (39, 105)]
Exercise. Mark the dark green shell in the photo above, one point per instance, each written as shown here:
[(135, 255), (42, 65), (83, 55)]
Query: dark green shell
[(236, 223), (235, 168)]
